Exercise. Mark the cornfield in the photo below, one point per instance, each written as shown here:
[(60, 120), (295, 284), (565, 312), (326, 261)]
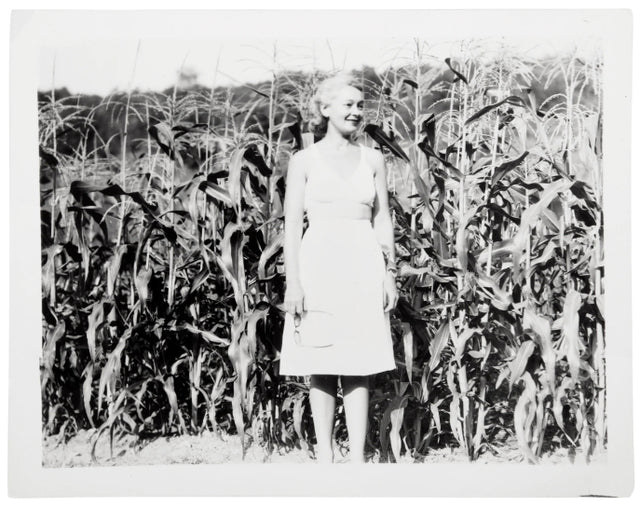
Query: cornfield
[(162, 268)]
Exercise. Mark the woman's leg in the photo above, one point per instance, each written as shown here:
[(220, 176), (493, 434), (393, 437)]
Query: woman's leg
[(355, 390), (322, 397)]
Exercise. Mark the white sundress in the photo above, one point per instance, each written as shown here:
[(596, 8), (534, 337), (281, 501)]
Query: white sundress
[(344, 330)]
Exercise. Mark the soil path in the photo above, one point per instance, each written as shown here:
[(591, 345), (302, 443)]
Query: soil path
[(210, 448)]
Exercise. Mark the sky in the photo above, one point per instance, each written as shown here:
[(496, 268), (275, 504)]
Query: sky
[(101, 65)]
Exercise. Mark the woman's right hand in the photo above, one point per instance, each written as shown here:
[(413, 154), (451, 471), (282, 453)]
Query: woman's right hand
[(294, 299)]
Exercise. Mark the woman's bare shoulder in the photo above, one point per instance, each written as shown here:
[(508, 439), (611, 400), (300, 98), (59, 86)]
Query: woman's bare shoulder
[(301, 155), (374, 157), (373, 153), (299, 161)]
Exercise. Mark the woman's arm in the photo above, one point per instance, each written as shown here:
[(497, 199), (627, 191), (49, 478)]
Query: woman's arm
[(384, 229), (381, 215), (293, 219)]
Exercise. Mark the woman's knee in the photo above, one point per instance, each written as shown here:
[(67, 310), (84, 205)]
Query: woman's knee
[(351, 382), (325, 382)]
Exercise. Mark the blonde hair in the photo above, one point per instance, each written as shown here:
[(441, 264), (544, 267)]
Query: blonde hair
[(324, 94)]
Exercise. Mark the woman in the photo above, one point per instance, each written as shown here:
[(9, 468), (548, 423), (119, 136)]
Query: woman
[(340, 285)]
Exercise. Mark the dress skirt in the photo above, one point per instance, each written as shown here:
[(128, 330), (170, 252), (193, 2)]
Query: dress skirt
[(344, 329)]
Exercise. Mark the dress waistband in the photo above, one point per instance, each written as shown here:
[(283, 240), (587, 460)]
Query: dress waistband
[(339, 210)]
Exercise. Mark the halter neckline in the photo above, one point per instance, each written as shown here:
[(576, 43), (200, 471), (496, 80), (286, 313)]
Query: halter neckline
[(333, 171)]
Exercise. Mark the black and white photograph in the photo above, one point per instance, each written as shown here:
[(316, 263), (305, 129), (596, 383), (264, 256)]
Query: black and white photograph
[(383, 249)]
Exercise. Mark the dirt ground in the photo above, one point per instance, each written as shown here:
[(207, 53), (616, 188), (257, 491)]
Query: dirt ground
[(210, 448)]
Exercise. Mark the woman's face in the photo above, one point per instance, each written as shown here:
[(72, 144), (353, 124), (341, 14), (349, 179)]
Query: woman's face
[(345, 109)]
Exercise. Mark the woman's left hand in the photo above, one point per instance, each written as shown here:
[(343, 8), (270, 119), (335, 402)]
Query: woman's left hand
[(390, 292)]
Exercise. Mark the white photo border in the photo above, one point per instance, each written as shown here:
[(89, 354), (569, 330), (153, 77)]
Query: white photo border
[(30, 30)]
